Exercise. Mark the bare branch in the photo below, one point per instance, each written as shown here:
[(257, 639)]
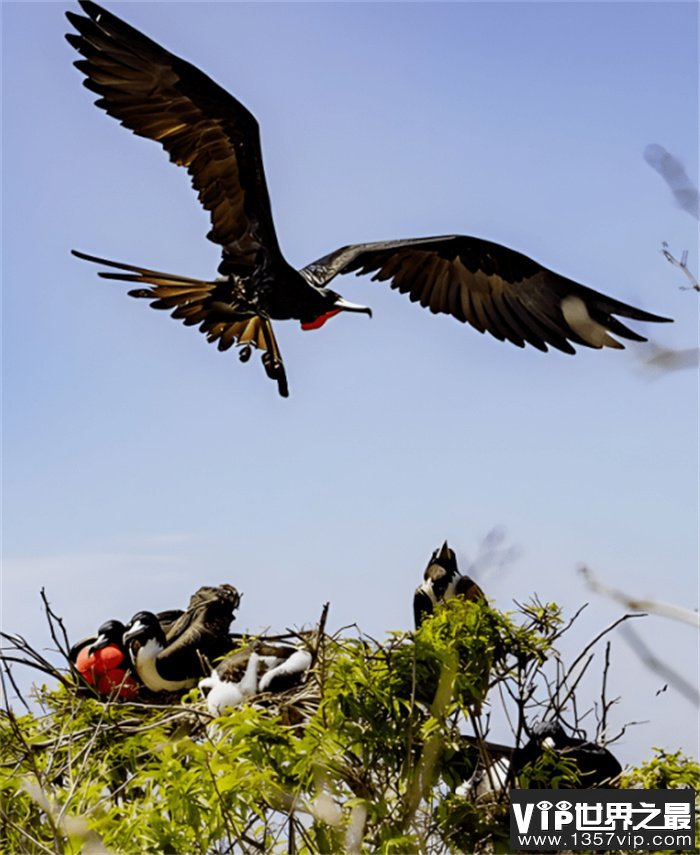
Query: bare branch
[(682, 264), (55, 619), (653, 663), (641, 605)]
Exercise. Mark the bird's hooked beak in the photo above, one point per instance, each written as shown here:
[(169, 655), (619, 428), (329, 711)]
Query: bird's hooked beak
[(132, 631), (443, 554), (344, 305), (99, 644), (340, 305)]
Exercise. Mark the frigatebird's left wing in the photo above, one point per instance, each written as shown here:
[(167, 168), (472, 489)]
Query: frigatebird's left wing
[(204, 128), (211, 609)]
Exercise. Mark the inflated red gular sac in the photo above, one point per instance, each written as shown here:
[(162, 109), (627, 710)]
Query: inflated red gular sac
[(104, 663)]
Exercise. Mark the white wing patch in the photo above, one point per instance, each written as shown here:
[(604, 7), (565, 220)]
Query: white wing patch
[(577, 317)]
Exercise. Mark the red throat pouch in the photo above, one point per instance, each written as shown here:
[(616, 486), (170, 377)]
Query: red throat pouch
[(320, 321)]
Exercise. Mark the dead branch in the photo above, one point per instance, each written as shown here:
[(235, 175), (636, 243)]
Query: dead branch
[(683, 265), (640, 605), (653, 663)]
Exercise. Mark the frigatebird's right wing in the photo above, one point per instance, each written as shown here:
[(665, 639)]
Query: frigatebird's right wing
[(493, 288)]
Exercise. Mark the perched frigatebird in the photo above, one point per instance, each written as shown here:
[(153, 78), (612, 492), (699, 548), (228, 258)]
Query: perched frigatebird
[(169, 662), (103, 660), (157, 95), (595, 765), (493, 768), (442, 580)]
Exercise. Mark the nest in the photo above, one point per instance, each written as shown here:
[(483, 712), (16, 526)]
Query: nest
[(186, 711)]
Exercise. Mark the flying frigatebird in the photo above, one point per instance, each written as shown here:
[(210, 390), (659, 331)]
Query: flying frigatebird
[(157, 95)]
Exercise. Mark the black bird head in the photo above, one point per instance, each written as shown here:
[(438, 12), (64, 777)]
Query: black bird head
[(330, 303), (110, 632), (142, 628)]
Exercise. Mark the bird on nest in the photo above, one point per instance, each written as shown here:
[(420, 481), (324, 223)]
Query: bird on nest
[(257, 668), (103, 661), (210, 133), (596, 765), (176, 660)]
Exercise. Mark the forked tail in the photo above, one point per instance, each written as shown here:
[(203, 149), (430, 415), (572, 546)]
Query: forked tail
[(191, 301)]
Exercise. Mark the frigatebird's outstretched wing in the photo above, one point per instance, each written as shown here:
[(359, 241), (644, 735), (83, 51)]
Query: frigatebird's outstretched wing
[(491, 287), (202, 127), (205, 129)]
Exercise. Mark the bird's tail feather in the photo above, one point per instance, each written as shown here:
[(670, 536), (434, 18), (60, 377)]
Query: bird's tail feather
[(190, 301), (142, 274), (252, 332)]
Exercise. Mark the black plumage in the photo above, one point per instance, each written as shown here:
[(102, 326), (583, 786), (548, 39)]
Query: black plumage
[(103, 663), (483, 767), (596, 765), (109, 632), (442, 581), (161, 97), (112, 632), (179, 658)]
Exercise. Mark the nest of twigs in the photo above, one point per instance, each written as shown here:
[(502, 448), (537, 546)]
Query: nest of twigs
[(186, 710)]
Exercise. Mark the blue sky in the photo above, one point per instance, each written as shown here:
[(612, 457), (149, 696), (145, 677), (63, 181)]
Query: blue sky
[(141, 463)]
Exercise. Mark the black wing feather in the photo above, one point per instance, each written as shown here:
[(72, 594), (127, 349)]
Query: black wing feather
[(422, 607), (202, 127), (466, 587), (491, 287), (200, 635)]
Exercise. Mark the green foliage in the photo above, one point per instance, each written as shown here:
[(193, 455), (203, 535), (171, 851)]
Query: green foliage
[(665, 771), (551, 770), (364, 758), (668, 771)]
